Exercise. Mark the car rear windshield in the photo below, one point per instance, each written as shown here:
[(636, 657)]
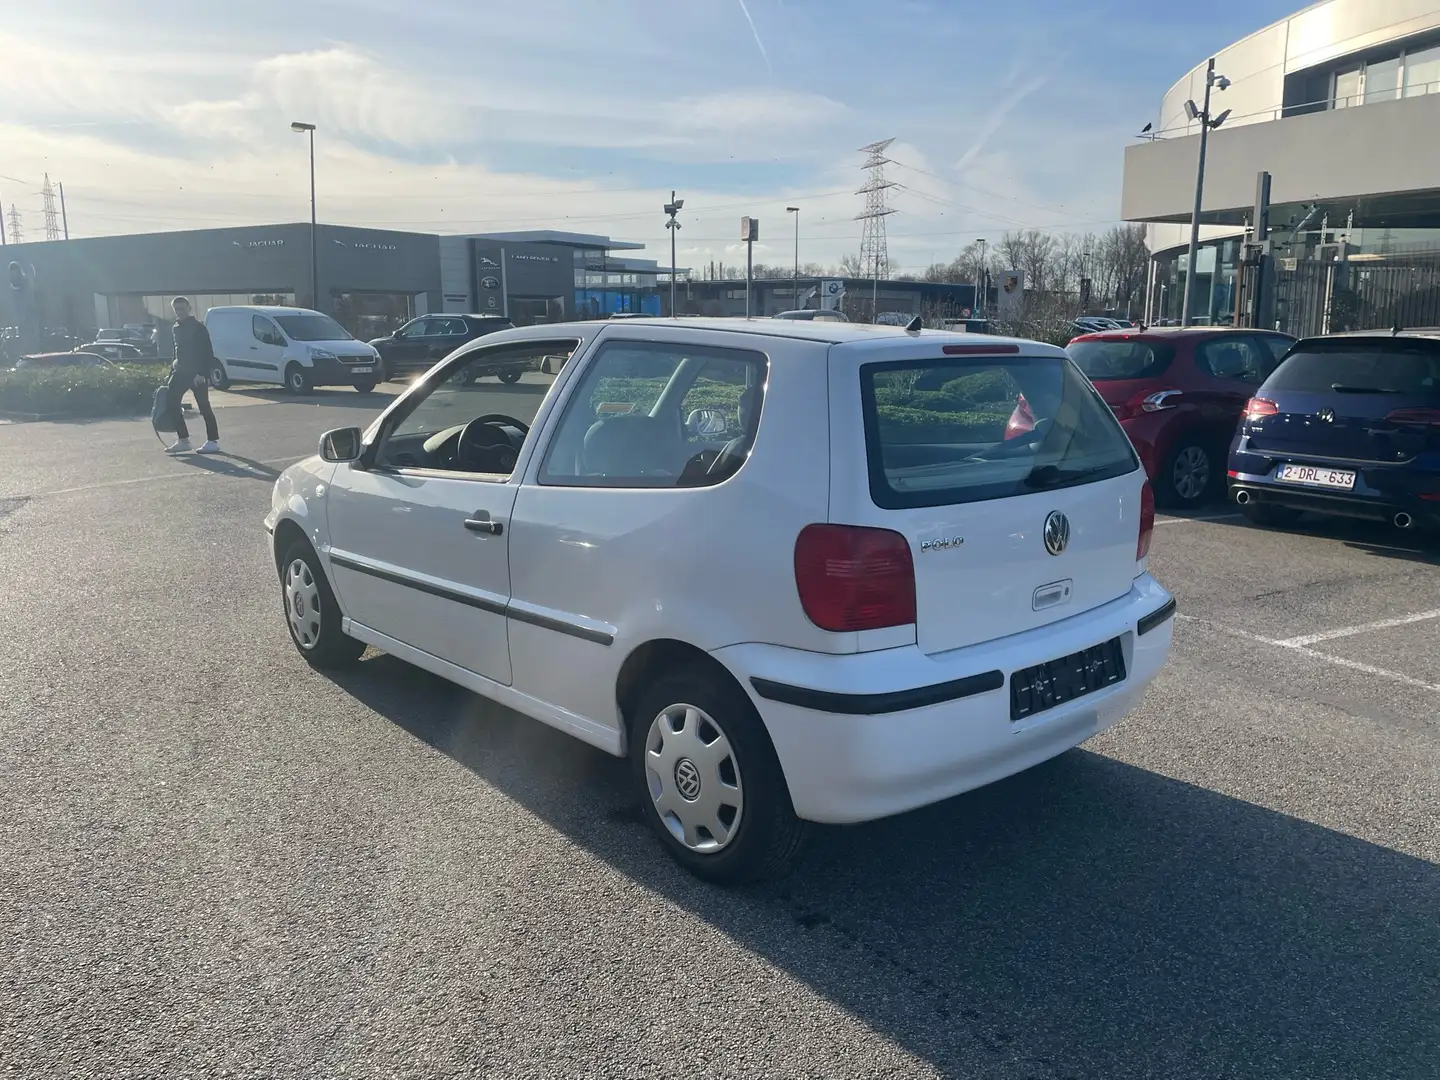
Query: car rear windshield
[(312, 328), (1120, 359), (1397, 367), (964, 430)]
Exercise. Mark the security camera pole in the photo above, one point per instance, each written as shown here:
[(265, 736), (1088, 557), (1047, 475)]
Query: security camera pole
[(749, 232), (672, 208), (1219, 82)]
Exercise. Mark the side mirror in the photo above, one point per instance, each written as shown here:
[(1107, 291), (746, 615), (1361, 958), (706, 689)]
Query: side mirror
[(710, 423), (341, 444)]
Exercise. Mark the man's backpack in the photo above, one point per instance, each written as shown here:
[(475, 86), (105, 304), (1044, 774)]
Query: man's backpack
[(160, 415)]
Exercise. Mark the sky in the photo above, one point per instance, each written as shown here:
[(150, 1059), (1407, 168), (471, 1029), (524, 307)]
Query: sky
[(473, 115)]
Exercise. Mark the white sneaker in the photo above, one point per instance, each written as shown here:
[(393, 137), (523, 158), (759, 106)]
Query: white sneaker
[(180, 446), (210, 447)]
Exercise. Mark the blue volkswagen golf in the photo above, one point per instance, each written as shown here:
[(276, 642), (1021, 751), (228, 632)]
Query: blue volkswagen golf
[(1348, 425)]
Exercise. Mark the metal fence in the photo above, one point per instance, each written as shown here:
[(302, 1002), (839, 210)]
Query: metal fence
[(1330, 297)]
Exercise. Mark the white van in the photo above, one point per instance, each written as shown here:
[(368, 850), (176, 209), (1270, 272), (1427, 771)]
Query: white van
[(295, 347)]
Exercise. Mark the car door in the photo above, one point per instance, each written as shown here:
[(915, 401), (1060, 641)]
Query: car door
[(1236, 365), (419, 548), (266, 350), (408, 344)]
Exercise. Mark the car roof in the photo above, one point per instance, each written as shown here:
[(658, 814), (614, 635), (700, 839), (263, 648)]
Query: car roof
[(264, 309), (1128, 333), (1419, 333), (823, 331)]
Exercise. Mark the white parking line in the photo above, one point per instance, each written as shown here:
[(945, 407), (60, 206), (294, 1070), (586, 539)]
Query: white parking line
[(149, 479), (1363, 628), (1201, 517), (1338, 661)]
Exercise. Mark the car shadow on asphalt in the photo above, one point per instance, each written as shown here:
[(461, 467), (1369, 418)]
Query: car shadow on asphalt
[(1086, 918), (344, 397)]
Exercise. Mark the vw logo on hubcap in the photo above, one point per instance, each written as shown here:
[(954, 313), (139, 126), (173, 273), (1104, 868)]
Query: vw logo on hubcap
[(299, 606), (687, 779), (1057, 532)]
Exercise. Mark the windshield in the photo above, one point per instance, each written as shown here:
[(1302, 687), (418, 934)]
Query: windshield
[(1120, 359), (1400, 367), (312, 328), (952, 431)]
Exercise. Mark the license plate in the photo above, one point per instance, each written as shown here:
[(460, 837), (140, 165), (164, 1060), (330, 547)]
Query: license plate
[(1316, 476), (1056, 682), (363, 369)]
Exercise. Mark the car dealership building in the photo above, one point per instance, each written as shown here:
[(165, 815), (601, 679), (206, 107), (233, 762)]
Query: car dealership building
[(1338, 103), (371, 280)]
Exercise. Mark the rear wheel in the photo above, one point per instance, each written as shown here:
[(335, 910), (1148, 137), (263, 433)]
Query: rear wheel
[(1187, 477), (297, 379), (711, 785), (311, 611), (509, 376), (1270, 516), (218, 379)]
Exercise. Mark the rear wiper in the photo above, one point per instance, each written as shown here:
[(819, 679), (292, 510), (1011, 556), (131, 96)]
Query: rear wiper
[(1341, 388), (1047, 476)]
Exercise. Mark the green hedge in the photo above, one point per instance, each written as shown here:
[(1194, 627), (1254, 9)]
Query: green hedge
[(109, 391)]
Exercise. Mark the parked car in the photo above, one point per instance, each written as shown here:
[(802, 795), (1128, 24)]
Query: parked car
[(1347, 425), (893, 318), (813, 315), (1179, 394), (417, 345), (294, 347), (127, 335), (36, 361), (117, 352), (915, 595)]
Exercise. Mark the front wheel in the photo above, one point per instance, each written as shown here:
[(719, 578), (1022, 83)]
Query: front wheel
[(1187, 478), (218, 379), (510, 377), (366, 386), (711, 785), (311, 611), (297, 379)]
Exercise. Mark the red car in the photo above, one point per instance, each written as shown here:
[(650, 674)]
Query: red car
[(1179, 393)]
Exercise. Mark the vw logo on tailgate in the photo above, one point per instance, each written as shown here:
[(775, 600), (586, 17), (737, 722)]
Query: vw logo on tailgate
[(1057, 533)]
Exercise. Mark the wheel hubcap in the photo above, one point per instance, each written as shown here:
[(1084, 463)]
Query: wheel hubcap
[(302, 596), (1192, 472), (693, 778)]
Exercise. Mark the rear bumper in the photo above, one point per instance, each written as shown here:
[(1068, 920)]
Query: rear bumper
[(873, 734), (1379, 494)]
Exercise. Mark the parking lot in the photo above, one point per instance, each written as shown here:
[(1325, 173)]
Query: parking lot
[(214, 861)]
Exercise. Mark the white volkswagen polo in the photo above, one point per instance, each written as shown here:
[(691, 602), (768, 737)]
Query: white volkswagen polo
[(797, 571)]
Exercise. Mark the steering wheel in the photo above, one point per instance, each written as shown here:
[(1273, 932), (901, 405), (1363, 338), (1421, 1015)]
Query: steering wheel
[(485, 445)]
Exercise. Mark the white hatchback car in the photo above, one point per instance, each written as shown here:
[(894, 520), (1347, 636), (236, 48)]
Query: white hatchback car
[(797, 571)]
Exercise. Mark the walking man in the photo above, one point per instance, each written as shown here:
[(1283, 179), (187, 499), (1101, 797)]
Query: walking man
[(194, 356)]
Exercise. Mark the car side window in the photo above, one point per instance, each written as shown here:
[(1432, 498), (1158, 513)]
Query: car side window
[(455, 327), (658, 415), (1239, 358), (1278, 346), (264, 331), (439, 428)]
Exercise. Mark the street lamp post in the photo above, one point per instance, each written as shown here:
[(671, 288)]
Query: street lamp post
[(1219, 82), (309, 130), (980, 288), (795, 284), (672, 208)]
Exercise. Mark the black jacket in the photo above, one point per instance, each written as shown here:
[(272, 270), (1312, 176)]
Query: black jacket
[(193, 351)]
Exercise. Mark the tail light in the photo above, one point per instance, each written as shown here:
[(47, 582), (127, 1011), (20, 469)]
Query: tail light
[(1424, 417), (1147, 521), (1259, 407), (853, 578), (1021, 421)]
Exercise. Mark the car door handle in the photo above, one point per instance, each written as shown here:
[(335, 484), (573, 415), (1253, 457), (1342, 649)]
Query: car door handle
[(484, 525)]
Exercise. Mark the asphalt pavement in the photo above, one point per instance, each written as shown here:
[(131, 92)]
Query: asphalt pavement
[(216, 862)]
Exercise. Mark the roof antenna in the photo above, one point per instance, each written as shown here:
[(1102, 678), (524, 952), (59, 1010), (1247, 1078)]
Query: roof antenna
[(915, 325)]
